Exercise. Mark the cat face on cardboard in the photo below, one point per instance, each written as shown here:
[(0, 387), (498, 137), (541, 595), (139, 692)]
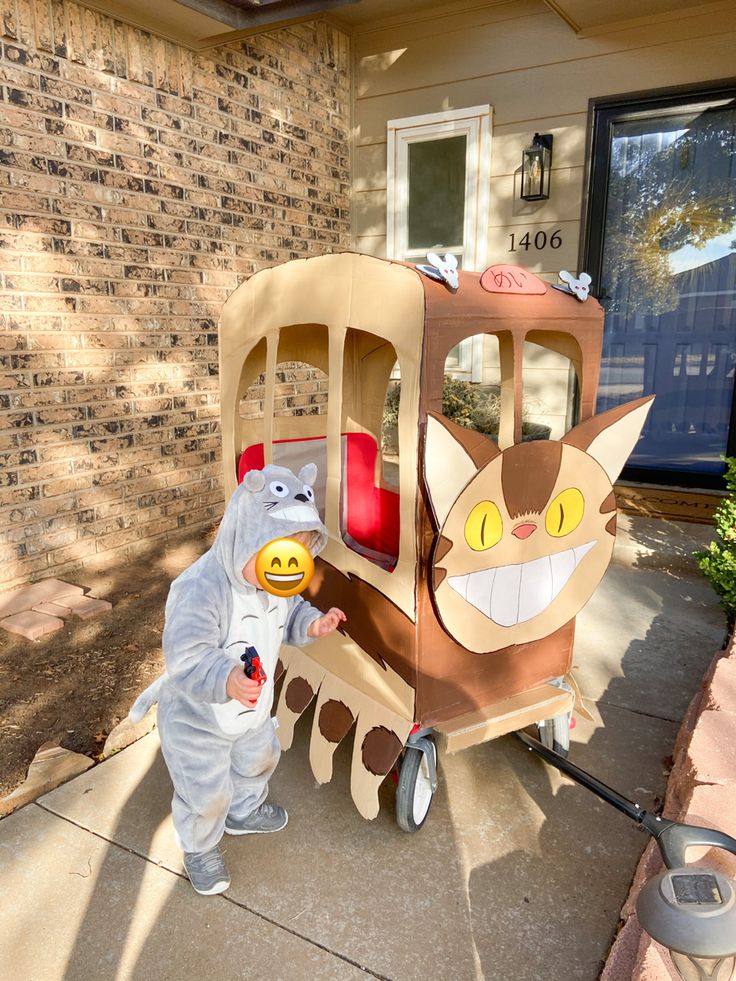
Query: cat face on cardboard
[(521, 567), (525, 539)]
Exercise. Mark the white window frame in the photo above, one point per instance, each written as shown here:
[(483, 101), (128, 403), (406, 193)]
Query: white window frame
[(474, 123)]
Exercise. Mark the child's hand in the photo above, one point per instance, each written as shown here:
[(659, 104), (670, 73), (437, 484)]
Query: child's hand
[(242, 688), (326, 623)]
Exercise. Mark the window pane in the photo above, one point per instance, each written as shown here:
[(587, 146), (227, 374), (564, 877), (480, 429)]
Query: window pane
[(300, 421), (548, 392), (299, 418), (369, 498), (669, 278), (436, 214), (475, 405), (301, 390)]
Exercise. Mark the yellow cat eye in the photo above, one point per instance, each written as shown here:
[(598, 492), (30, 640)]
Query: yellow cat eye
[(565, 513), (484, 526)]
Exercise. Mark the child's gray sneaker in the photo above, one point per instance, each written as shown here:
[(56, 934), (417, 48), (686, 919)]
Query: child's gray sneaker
[(207, 872), (266, 818)]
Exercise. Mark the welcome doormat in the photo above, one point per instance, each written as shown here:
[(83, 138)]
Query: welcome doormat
[(675, 504)]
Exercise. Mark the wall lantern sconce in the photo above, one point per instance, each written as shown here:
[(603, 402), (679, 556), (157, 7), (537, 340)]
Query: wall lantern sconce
[(536, 163)]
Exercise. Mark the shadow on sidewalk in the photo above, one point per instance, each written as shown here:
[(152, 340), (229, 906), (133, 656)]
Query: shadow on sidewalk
[(564, 896), (517, 873)]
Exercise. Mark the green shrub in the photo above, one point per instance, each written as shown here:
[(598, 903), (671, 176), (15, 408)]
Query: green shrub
[(460, 401), (476, 406), (718, 561)]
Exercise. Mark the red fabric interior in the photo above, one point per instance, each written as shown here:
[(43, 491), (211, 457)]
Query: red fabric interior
[(372, 512), (250, 459)]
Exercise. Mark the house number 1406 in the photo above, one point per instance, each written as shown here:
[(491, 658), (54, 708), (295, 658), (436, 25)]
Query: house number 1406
[(540, 241)]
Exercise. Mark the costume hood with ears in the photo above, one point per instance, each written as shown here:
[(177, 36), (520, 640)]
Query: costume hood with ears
[(270, 503)]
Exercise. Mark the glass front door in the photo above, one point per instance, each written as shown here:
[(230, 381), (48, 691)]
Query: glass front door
[(662, 252)]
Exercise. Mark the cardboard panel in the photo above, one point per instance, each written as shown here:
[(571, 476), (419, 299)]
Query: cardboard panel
[(302, 678), (337, 291), (380, 734), (379, 738), (480, 608), (530, 536), (506, 716)]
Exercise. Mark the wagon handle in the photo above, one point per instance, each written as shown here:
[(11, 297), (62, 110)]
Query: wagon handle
[(672, 837)]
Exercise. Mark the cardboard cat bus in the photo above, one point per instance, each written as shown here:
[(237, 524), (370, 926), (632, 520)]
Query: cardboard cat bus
[(461, 575)]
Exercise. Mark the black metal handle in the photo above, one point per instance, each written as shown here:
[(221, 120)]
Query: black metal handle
[(672, 837), (600, 789)]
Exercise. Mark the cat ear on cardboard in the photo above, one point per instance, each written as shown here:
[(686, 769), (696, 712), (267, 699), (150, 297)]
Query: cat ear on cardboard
[(611, 436), (452, 456)]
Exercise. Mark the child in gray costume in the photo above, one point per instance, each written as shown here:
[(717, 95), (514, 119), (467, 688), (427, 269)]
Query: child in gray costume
[(217, 735)]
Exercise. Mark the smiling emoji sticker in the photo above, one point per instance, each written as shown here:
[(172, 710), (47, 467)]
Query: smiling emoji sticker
[(284, 567)]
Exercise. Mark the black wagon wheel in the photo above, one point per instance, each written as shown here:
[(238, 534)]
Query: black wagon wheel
[(414, 790)]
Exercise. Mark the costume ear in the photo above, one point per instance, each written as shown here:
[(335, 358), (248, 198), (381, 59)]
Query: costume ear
[(447, 468), (610, 437), (255, 481), (308, 474)]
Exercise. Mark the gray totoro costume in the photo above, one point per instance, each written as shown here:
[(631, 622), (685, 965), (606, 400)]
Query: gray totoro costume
[(220, 754)]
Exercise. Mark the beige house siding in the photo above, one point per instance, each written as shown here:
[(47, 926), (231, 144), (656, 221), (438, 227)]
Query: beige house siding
[(538, 76), (525, 62), (140, 182)]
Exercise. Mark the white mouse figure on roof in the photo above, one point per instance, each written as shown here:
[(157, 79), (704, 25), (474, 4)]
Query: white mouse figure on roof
[(577, 286), (443, 269)]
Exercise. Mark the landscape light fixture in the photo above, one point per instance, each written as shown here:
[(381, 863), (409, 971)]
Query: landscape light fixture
[(536, 164), (692, 912)]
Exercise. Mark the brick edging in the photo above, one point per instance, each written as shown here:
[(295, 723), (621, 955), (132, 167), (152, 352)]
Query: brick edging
[(701, 790)]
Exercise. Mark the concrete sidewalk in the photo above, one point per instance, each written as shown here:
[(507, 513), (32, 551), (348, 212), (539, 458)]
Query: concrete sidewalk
[(518, 872)]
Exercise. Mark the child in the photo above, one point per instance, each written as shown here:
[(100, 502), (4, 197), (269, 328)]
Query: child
[(217, 735)]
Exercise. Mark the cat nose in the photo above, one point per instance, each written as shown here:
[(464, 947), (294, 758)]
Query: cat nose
[(525, 530)]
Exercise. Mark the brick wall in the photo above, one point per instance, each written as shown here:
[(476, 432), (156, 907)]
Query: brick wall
[(140, 183), (301, 390)]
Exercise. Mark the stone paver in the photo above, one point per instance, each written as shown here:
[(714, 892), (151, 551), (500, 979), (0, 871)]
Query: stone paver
[(518, 872), (36, 610), (701, 791), (620, 965), (31, 625), (86, 607), (721, 692), (53, 609), (714, 806), (25, 598), (126, 732), (51, 766)]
